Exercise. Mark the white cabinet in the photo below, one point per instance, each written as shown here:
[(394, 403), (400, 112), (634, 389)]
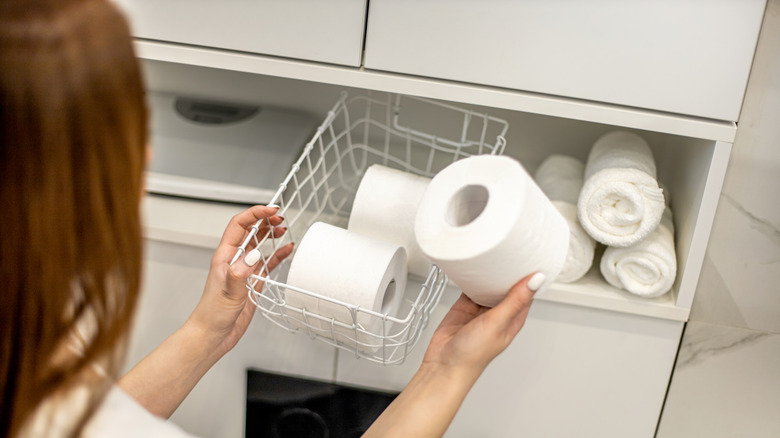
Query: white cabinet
[(571, 372), (688, 57), (594, 355), (301, 29)]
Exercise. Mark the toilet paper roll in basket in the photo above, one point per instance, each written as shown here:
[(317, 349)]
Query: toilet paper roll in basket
[(385, 206), (486, 224), (353, 269)]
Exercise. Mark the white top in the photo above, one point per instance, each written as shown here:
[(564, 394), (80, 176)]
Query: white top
[(120, 416)]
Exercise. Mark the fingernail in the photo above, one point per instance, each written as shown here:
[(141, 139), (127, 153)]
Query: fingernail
[(253, 257), (272, 206), (536, 281)]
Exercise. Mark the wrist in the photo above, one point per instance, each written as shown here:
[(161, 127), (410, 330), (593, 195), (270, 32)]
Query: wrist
[(202, 339), (466, 374), (428, 404), (450, 379)]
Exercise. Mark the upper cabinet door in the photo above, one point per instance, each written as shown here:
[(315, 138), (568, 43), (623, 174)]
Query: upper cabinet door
[(686, 56), (324, 31)]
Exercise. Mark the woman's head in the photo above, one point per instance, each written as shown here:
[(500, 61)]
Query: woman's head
[(72, 139)]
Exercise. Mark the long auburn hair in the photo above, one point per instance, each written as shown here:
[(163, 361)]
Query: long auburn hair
[(73, 133)]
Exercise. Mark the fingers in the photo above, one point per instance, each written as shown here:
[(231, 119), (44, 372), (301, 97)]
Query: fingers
[(510, 313), (465, 305), (252, 263), (257, 260), (278, 256), (239, 226), (225, 253), (236, 230), (463, 311)]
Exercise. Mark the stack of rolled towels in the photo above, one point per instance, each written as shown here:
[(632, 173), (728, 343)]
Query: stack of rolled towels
[(614, 199)]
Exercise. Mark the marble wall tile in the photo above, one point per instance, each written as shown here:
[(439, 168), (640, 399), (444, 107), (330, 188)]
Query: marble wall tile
[(726, 384), (740, 279)]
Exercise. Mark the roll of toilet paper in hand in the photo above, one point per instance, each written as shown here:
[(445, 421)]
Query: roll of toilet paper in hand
[(620, 203), (561, 177), (353, 269), (385, 206), (486, 224)]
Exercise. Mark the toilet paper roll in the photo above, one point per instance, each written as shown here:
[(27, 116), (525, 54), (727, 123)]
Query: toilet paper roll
[(385, 206), (486, 224), (353, 269)]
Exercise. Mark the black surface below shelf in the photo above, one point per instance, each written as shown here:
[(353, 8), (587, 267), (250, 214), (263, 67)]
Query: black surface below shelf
[(279, 406)]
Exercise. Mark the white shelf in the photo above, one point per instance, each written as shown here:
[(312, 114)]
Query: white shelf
[(439, 89), (200, 224), (186, 222), (591, 291)]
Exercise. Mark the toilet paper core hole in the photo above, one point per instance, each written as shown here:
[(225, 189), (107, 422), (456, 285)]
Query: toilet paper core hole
[(387, 301), (466, 205)]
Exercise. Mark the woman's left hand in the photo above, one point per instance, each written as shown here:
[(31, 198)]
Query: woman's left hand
[(224, 311)]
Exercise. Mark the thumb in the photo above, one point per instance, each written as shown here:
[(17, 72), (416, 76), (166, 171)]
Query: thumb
[(240, 271)]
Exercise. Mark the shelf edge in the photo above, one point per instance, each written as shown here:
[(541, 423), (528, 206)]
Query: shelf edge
[(648, 309)]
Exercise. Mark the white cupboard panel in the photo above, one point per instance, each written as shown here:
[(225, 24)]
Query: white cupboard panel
[(689, 57), (570, 372), (228, 66), (301, 29)]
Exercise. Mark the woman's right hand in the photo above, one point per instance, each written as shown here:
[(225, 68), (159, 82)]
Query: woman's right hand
[(470, 335), (468, 338)]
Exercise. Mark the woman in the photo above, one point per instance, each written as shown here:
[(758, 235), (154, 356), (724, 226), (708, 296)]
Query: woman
[(73, 135)]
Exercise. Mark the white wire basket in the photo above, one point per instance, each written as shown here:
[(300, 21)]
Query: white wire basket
[(357, 133)]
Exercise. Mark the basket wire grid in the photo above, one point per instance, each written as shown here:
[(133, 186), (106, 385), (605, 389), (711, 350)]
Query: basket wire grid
[(358, 132)]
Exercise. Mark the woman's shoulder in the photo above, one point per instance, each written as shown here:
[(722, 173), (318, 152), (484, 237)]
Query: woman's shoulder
[(121, 416)]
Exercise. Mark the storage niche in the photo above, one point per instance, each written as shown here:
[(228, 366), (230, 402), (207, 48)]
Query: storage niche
[(692, 169)]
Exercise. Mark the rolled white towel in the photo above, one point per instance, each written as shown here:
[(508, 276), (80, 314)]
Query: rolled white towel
[(620, 203), (647, 269), (561, 177)]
